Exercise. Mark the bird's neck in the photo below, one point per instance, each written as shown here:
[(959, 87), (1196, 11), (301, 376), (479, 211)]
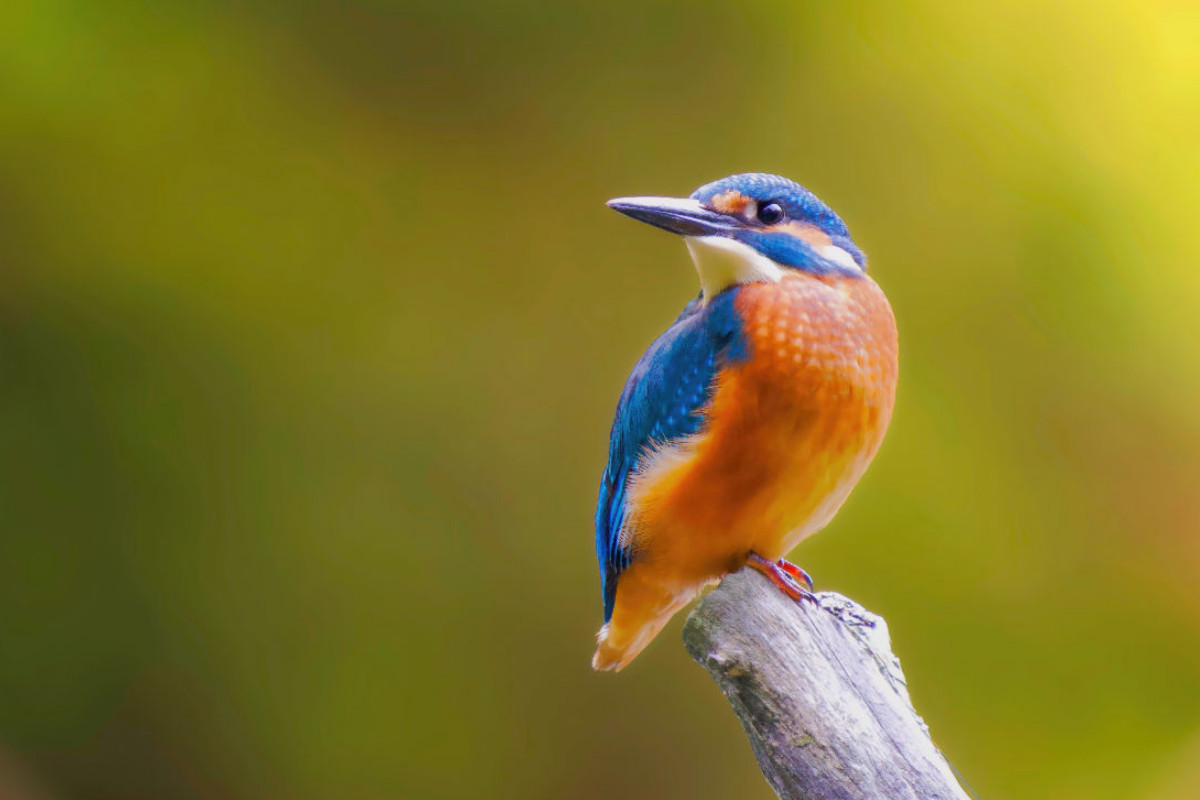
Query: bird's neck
[(722, 263)]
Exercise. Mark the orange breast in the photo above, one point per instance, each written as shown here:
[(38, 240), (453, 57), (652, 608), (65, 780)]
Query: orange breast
[(790, 431)]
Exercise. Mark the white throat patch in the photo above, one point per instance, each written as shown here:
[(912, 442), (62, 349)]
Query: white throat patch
[(722, 262)]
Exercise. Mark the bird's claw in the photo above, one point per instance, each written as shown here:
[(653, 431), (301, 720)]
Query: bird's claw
[(796, 571), (786, 576)]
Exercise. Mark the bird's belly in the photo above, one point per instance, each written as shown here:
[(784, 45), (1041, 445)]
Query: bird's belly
[(763, 484), (806, 472)]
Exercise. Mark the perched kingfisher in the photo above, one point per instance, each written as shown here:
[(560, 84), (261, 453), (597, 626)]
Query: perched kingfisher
[(743, 428)]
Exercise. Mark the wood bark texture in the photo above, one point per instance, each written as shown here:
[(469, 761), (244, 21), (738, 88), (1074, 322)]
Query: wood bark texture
[(820, 695)]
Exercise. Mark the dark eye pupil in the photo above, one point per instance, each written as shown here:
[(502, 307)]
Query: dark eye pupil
[(769, 213)]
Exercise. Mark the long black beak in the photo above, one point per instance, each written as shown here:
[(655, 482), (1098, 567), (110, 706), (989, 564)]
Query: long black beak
[(677, 215)]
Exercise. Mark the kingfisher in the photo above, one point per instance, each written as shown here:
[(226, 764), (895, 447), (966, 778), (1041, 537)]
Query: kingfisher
[(744, 427)]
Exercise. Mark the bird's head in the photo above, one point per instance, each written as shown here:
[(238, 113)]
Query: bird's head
[(752, 227)]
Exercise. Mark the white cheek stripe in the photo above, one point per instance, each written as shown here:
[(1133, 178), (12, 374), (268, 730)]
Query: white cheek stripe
[(831, 252)]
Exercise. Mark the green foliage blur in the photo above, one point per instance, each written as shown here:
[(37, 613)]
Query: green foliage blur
[(312, 323)]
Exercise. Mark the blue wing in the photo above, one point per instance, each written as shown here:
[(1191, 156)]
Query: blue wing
[(663, 400)]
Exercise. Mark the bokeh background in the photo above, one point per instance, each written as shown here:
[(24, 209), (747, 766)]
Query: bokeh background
[(312, 322)]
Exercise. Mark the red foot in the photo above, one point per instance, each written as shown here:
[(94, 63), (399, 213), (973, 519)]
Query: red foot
[(796, 572), (782, 576)]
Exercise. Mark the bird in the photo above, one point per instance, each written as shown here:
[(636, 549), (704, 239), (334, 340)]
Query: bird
[(744, 427)]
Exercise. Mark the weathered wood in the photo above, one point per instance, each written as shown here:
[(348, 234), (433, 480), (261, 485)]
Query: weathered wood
[(819, 693)]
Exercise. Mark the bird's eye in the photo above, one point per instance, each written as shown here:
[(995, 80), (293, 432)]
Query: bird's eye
[(770, 213)]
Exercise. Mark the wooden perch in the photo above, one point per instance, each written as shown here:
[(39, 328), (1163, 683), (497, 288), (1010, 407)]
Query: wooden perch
[(819, 693)]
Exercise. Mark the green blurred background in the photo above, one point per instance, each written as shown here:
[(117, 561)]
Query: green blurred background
[(312, 322)]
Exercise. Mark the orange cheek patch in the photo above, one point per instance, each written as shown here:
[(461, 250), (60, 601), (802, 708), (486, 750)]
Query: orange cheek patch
[(730, 202), (803, 230)]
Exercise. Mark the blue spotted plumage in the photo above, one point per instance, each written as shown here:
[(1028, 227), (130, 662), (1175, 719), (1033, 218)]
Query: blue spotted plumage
[(663, 400), (799, 204)]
